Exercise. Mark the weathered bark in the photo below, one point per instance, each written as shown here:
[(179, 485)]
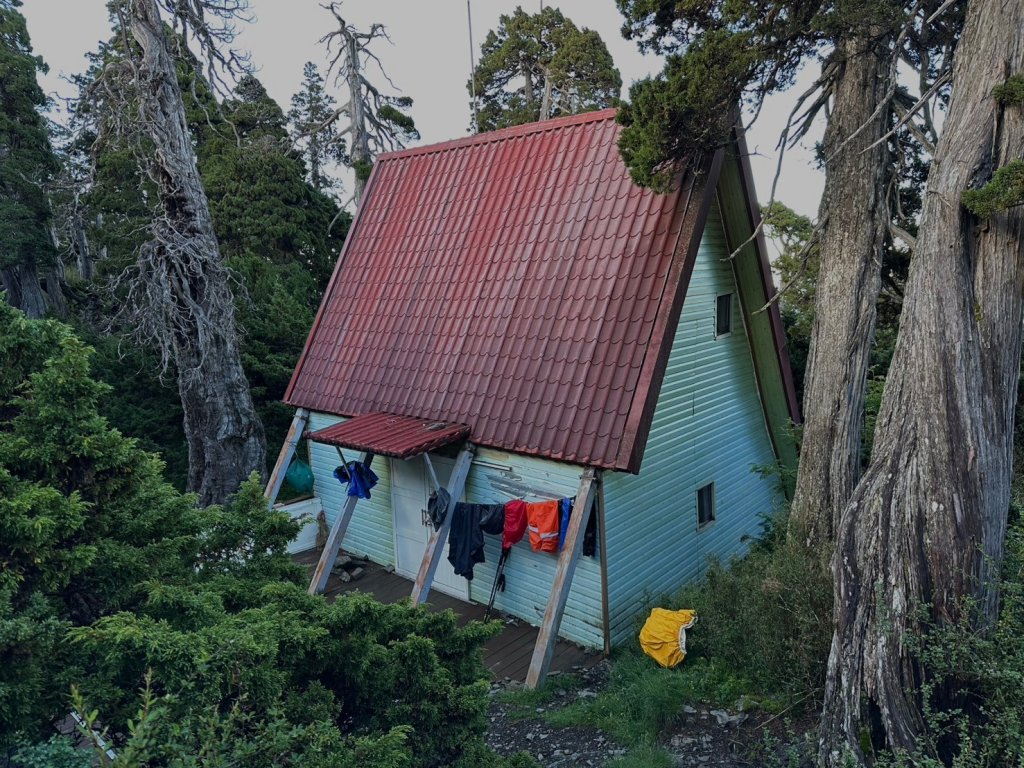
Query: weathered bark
[(21, 284), (855, 217), (925, 526), (186, 283), (360, 136), (545, 97)]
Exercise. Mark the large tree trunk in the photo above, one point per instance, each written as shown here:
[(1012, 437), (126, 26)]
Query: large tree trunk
[(186, 284), (21, 283), (925, 526), (854, 217)]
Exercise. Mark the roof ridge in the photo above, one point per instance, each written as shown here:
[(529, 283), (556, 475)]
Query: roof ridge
[(502, 134)]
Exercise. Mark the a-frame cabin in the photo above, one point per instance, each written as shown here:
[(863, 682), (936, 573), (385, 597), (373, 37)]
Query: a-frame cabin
[(512, 317)]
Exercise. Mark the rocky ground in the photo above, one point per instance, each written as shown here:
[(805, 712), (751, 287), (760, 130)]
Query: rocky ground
[(702, 736)]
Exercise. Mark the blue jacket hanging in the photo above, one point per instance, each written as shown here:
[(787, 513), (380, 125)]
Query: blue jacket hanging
[(360, 478), (564, 513)]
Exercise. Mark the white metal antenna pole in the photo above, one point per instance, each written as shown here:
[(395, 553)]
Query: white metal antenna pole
[(472, 65)]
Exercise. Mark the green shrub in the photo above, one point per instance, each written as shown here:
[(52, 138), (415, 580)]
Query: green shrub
[(114, 580), (58, 752), (766, 618)]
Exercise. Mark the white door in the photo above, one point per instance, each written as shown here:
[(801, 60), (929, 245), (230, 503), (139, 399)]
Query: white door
[(410, 491)]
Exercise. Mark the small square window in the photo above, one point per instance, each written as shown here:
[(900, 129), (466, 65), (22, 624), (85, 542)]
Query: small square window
[(723, 315), (705, 505)]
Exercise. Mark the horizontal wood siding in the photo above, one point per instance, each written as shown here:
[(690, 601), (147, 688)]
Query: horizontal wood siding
[(708, 427), (494, 477), (371, 532), (499, 477)]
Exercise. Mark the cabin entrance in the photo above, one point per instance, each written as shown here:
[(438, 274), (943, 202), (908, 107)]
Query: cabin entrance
[(410, 490)]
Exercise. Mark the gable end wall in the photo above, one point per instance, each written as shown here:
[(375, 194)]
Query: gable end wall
[(708, 426)]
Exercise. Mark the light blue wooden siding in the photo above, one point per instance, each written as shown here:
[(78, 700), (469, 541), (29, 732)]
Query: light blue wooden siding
[(708, 427), (494, 477), (371, 530), (499, 477)]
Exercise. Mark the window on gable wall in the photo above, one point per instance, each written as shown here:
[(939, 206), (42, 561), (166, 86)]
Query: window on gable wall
[(723, 315), (705, 505)]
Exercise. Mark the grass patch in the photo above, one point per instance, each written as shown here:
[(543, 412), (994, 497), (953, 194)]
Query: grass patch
[(641, 699), (523, 702), (644, 756)]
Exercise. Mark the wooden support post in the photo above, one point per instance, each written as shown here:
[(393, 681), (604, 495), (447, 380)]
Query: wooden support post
[(284, 457), (544, 649), (430, 471), (435, 546), (330, 553)]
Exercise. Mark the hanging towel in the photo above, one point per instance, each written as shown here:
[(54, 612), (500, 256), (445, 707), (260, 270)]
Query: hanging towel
[(360, 478), (542, 523), (465, 539), (515, 523), (663, 637)]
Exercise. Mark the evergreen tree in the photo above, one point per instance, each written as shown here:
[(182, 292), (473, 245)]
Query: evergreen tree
[(27, 164), (534, 67), (114, 581), (313, 122)]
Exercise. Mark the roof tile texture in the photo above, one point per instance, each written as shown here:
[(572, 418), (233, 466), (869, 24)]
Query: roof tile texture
[(509, 281), (389, 435)]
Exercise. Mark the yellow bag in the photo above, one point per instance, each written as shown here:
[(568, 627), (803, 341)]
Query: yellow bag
[(663, 637)]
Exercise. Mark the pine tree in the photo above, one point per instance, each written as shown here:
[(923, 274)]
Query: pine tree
[(27, 164), (312, 119), (534, 67)]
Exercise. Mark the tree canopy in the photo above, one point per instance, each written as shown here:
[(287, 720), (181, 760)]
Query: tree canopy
[(119, 584), (534, 67)]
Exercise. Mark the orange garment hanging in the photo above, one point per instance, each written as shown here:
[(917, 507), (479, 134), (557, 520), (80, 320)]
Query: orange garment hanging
[(542, 524)]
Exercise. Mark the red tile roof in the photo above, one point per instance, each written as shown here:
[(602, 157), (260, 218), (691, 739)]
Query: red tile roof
[(515, 281), (386, 434)]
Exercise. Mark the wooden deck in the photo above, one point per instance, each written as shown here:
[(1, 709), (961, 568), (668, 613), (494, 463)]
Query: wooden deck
[(507, 655)]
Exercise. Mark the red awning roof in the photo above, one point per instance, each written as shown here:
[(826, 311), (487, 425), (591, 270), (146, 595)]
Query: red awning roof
[(516, 281), (386, 434)]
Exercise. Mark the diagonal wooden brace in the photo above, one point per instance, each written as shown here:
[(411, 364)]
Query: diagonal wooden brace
[(284, 457), (435, 546), (544, 649), (330, 553)]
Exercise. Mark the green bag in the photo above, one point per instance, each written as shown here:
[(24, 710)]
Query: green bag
[(300, 476)]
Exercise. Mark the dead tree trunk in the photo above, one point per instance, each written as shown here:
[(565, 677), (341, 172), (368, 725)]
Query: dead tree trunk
[(360, 139), (183, 283), (925, 526), (854, 218)]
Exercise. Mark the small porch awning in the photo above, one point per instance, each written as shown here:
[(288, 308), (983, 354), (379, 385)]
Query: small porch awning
[(387, 434)]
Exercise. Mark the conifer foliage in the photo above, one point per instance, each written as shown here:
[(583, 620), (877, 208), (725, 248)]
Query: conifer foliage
[(27, 164), (535, 67), (313, 120), (189, 629)]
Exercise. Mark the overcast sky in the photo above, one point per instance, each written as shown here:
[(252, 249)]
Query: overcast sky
[(429, 61)]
